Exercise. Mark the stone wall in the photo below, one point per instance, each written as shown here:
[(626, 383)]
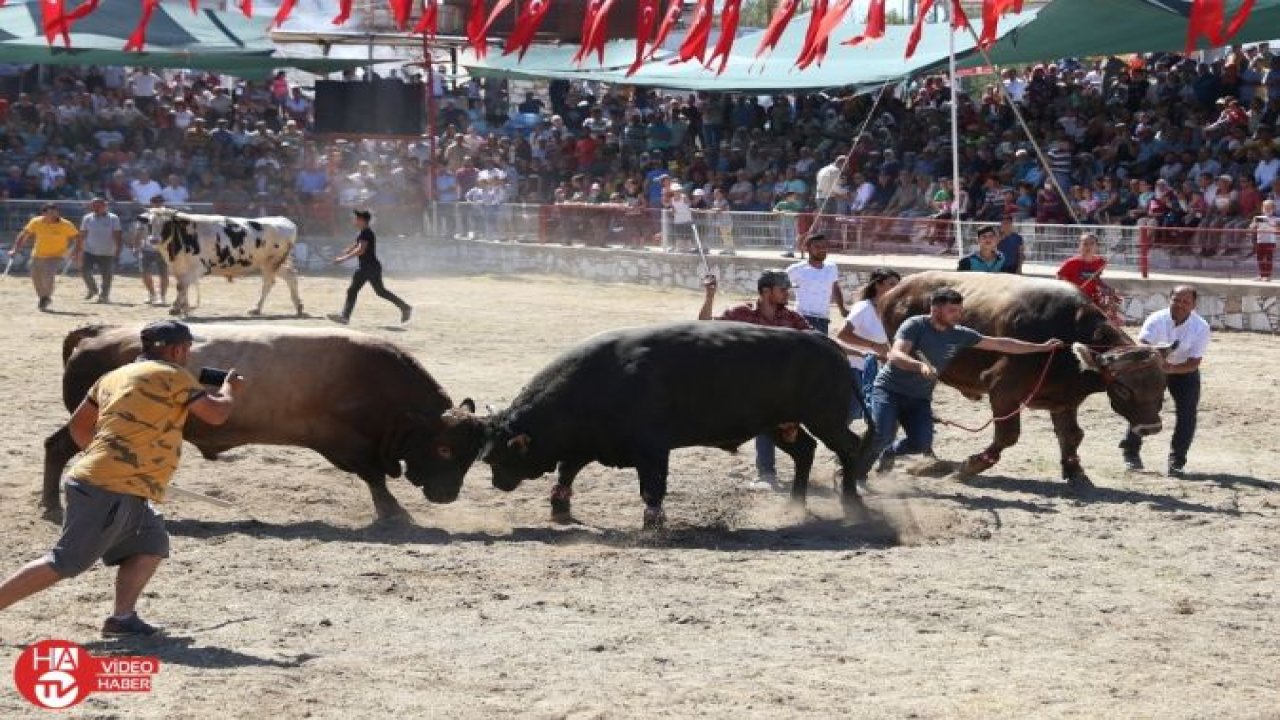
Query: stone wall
[(1236, 306)]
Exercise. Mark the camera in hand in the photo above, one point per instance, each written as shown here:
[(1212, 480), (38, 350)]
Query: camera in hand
[(212, 376)]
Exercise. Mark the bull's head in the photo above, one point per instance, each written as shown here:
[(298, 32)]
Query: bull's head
[(438, 451), (513, 455), (1135, 381)]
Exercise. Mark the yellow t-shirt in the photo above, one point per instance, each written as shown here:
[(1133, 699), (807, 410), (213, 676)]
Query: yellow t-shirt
[(53, 239), (138, 439)]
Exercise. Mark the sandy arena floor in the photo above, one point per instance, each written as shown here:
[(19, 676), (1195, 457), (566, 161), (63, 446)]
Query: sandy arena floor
[(1001, 597)]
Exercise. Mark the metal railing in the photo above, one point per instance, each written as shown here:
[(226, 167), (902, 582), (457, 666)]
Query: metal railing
[(1219, 247)]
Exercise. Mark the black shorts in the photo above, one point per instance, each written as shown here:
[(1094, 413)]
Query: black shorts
[(104, 525), (152, 263)]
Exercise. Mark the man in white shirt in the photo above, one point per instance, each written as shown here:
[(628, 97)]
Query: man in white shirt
[(1180, 323), (144, 188), (144, 85), (828, 179), (175, 193), (817, 283)]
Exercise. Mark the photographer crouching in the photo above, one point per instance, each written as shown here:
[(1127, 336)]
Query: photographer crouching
[(129, 430)]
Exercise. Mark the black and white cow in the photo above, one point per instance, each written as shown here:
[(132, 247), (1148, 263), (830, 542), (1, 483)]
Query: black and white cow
[(197, 245)]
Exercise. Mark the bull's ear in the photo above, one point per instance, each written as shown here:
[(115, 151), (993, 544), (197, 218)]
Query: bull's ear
[(1089, 360), (468, 404)]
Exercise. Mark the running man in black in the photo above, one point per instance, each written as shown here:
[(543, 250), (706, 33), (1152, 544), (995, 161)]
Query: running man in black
[(365, 248)]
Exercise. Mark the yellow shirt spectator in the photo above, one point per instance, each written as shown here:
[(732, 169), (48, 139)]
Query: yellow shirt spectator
[(141, 410), (53, 239)]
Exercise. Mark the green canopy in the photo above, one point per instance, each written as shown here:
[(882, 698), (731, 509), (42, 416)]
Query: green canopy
[(1062, 28), (225, 42)]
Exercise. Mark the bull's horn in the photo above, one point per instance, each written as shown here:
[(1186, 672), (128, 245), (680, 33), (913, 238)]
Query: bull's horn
[(519, 442), (468, 404), (1089, 360)]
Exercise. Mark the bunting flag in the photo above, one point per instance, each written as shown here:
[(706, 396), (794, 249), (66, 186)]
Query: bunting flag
[(430, 19), (527, 25), (138, 39), (646, 19), (926, 6), (1207, 20), (400, 11), (195, 6), (674, 8), (588, 26), (833, 17), (959, 18), (344, 12), (600, 31), (475, 26), (695, 41), (875, 24), (729, 14), (498, 8), (992, 11), (781, 18), (246, 7), (57, 20), (816, 13), (286, 8)]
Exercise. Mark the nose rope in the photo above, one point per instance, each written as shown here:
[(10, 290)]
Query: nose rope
[(1044, 373)]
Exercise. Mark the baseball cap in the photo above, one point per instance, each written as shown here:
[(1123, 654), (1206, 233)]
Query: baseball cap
[(163, 333), (773, 279)]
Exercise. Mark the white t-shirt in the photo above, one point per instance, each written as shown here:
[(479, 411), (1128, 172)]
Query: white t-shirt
[(864, 321), (813, 287), (1268, 228), (1192, 335), (144, 85), (143, 192), (175, 195)]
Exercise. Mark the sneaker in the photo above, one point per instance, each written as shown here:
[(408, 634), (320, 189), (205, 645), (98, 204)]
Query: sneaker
[(151, 299), (44, 303), (129, 626), (339, 318), (103, 300), (405, 314), (90, 294), (766, 480), (1177, 469), (1132, 461)]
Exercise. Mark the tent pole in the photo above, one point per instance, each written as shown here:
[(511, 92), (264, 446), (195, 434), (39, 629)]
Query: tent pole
[(431, 131), (955, 141)]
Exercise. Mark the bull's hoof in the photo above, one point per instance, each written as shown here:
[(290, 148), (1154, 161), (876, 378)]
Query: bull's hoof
[(52, 513), (561, 511), (254, 312), (654, 518), (974, 465), (301, 312), (391, 517), (1079, 483), (855, 510), (175, 311)]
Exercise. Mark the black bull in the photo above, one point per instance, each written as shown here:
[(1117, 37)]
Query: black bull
[(627, 398), (1103, 358)]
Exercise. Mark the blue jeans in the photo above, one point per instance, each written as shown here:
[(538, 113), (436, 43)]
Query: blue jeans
[(765, 455), (1185, 390), (821, 324), (855, 408), (889, 409)]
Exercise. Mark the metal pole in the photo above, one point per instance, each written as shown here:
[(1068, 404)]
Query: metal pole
[(955, 140), (431, 132)]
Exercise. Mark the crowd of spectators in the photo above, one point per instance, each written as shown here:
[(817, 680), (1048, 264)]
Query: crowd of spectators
[(1157, 139)]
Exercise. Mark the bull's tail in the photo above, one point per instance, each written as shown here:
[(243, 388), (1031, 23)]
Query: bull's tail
[(74, 337)]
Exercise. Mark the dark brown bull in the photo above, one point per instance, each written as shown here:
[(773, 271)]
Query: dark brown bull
[(364, 404), (1103, 358)]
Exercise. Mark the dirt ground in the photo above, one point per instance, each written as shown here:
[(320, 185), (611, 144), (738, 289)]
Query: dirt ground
[(999, 597)]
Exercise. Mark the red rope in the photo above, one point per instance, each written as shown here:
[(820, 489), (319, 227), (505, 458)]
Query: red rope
[(1044, 373)]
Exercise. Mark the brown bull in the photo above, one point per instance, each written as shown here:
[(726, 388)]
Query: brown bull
[(1103, 359), (364, 404)]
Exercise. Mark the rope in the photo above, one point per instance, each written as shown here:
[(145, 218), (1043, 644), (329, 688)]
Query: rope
[(817, 217), (1044, 373)]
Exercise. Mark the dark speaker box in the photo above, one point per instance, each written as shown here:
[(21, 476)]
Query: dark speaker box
[(379, 107)]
